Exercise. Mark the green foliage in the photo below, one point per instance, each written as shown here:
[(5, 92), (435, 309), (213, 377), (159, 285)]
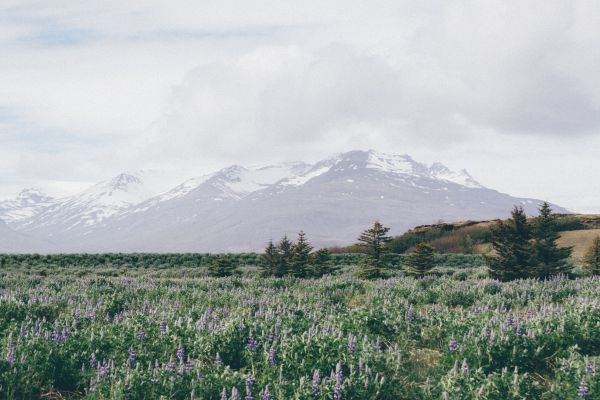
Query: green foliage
[(301, 256), (592, 258), (513, 251), (402, 243), (223, 265), (547, 258), (421, 260), (374, 241)]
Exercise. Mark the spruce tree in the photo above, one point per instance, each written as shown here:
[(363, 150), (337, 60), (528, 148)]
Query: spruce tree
[(373, 241), (223, 265), (591, 261), (301, 256), (321, 264), (510, 241), (285, 248), (421, 260), (547, 258), (269, 261)]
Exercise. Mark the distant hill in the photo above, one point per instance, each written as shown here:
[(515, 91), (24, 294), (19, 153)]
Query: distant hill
[(240, 209)]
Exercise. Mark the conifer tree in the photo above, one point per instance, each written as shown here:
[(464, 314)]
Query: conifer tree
[(421, 260), (510, 241), (285, 248), (223, 265), (270, 259), (374, 242), (547, 258), (591, 261), (320, 264), (301, 256)]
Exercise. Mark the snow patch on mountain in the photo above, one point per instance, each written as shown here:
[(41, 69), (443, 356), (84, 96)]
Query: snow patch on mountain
[(27, 204)]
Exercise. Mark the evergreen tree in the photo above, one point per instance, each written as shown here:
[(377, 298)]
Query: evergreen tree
[(510, 241), (591, 261), (301, 256), (286, 252), (223, 265), (320, 264), (373, 241), (421, 260), (547, 258), (270, 259)]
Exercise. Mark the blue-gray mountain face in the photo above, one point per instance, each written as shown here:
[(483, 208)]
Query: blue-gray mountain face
[(240, 209)]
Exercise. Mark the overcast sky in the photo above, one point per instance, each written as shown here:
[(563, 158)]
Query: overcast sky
[(509, 90)]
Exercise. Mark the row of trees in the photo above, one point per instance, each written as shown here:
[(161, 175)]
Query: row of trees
[(524, 250), (296, 259)]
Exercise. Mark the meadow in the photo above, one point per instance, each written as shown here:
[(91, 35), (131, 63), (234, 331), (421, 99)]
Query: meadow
[(156, 332)]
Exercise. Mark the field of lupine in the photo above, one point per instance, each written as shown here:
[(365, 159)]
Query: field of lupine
[(149, 337)]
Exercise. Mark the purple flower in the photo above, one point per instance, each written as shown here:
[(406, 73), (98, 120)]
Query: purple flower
[(273, 355), (11, 350), (351, 343), (410, 313), (162, 328), (465, 368), (453, 345), (252, 345), (316, 384), (339, 379), (181, 353), (141, 335), (224, 394), (235, 395), (583, 390), (93, 361), (265, 394), (218, 360)]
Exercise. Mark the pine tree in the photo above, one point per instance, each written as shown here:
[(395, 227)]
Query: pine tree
[(320, 264), (301, 256), (374, 242), (547, 258), (510, 241), (591, 261), (285, 248), (421, 260), (270, 259), (223, 265)]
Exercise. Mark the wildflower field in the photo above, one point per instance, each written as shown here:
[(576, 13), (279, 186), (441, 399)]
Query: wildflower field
[(146, 336)]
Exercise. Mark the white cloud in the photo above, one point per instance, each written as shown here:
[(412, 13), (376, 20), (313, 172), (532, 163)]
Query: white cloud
[(109, 85)]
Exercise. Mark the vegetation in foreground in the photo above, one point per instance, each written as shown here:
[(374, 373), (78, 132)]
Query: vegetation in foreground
[(338, 337)]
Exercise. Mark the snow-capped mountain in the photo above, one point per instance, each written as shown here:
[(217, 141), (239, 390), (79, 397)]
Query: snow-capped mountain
[(27, 204), (240, 208)]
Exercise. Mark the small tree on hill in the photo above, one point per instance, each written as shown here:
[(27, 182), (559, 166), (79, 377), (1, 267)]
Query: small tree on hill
[(374, 242), (591, 261), (223, 265), (510, 241), (269, 260), (301, 256), (320, 264), (420, 261), (547, 258)]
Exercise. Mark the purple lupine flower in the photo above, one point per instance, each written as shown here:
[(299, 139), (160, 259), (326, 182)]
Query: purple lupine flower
[(378, 345), (249, 384), (583, 390), (248, 394), (453, 345), (252, 345), (465, 368), (11, 350), (132, 356), (316, 384), (189, 365), (339, 378), (180, 353), (273, 355), (410, 313), (93, 361), (590, 367), (141, 335), (265, 394), (351, 343), (235, 395), (162, 328), (224, 394), (564, 365), (170, 365)]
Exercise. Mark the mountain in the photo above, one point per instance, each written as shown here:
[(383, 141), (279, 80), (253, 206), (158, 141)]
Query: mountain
[(27, 204), (240, 208), (16, 242)]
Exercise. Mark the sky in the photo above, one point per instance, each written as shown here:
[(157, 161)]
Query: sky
[(509, 90)]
